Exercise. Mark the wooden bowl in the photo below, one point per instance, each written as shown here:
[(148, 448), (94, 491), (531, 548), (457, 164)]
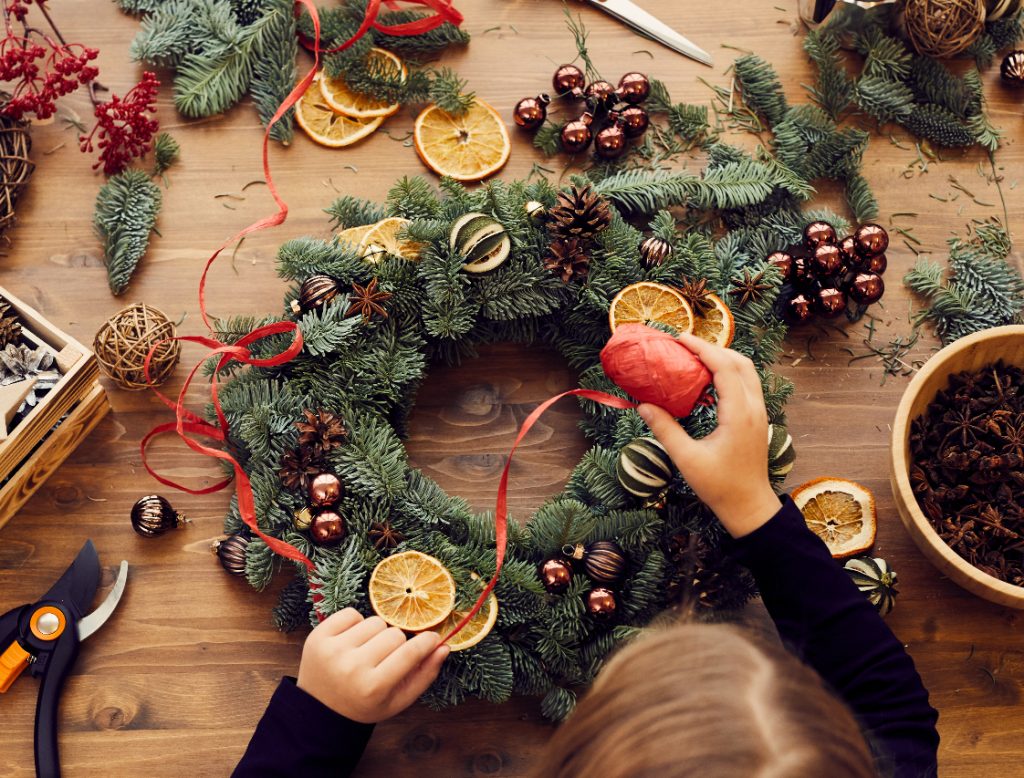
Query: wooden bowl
[(969, 353)]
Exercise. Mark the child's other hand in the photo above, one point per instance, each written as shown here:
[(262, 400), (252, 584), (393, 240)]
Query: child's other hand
[(728, 469), (366, 670)]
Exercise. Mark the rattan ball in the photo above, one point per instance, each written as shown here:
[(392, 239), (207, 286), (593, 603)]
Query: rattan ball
[(123, 342), (942, 28), (15, 166)]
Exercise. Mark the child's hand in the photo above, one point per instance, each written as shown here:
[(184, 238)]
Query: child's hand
[(728, 469), (366, 670)]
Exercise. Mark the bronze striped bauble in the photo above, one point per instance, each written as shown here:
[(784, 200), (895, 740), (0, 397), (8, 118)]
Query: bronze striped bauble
[(604, 562), (153, 515), (231, 553), (315, 292)]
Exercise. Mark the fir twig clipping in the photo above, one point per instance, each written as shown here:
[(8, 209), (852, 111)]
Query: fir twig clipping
[(126, 211)]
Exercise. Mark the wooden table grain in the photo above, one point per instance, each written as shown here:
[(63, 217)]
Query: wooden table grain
[(175, 683)]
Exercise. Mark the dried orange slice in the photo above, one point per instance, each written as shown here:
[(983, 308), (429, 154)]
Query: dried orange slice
[(646, 302), (359, 106), (840, 512), (469, 147), (715, 325), (325, 125), (382, 238), (477, 629), (412, 591), (354, 235)]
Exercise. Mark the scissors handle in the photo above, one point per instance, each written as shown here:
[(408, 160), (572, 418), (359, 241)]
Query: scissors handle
[(58, 665)]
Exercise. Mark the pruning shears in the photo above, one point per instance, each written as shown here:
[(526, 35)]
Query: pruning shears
[(44, 637)]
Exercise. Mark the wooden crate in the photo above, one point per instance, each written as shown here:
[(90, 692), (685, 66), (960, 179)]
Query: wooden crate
[(60, 421)]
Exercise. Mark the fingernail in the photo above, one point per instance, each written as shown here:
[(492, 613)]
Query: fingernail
[(645, 412), (444, 650)]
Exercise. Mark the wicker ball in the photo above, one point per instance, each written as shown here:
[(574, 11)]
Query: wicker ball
[(942, 28), (15, 166), (123, 342)]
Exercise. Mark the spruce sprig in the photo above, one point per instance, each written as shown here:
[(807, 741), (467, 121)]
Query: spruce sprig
[(126, 211)]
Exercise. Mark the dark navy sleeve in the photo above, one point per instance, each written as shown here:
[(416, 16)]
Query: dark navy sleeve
[(826, 621), (300, 736)]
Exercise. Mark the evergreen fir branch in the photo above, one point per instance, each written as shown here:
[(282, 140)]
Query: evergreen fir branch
[(350, 211), (547, 138), (275, 73), (125, 214), (448, 92), (689, 122), (933, 83), (165, 153), (1001, 34), (139, 6), (884, 99), (293, 607), (861, 199), (579, 34), (833, 90), (761, 87), (885, 57), (985, 135), (422, 46)]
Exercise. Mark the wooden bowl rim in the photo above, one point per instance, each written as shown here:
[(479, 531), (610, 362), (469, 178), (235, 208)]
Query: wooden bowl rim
[(901, 464)]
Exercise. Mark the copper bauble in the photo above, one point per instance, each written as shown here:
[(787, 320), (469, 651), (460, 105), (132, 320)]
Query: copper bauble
[(601, 603), (231, 553), (848, 248), (876, 264), (604, 562), (153, 515), (556, 575), (798, 309), (1012, 69), (530, 112), (827, 259), (610, 143), (871, 240), (800, 274), (324, 490), (830, 302), (783, 261), (634, 121), (568, 80), (576, 135), (315, 292), (327, 529), (867, 288), (654, 251), (600, 94), (817, 233), (633, 88)]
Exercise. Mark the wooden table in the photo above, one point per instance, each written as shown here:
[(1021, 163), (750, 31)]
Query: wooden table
[(174, 684)]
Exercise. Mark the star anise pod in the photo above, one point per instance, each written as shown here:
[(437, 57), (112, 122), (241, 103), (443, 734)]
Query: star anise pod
[(567, 259), (298, 467), (696, 293), (383, 536), (750, 288), (367, 301), (321, 430)]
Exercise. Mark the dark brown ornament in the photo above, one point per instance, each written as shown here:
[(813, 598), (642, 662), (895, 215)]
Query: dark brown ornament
[(1012, 68), (568, 80), (324, 490), (633, 88), (871, 240), (783, 261), (867, 288), (876, 264), (604, 562), (327, 529), (798, 309), (530, 112), (556, 575), (634, 121), (600, 94), (231, 553), (654, 251), (800, 274), (830, 302), (575, 136), (153, 515), (601, 603), (610, 142), (848, 248), (827, 259), (817, 233), (315, 292)]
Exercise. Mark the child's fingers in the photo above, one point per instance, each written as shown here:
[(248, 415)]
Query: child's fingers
[(722, 362), (667, 430), (340, 622), (381, 645), (403, 660), (419, 680), (360, 633)]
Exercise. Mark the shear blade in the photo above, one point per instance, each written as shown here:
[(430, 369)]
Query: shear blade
[(89, 624)]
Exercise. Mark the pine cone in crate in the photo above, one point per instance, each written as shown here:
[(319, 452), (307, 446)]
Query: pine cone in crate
[(10, 327), (580, 213)]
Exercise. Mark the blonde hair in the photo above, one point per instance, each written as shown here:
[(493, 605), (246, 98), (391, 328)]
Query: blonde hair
[(708, 700)]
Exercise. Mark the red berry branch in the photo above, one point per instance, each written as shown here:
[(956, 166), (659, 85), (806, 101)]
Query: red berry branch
[(43, 68)]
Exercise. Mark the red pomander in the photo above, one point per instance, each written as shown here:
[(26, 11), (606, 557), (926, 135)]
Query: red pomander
[(653, 367)]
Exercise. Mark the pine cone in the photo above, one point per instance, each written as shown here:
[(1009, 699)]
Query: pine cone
[(579, 213), (567, 259), (935, 123), (298, 466), (321, 431), (10, 330)]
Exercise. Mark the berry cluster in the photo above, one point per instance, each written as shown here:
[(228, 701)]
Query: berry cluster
[(826, 275), (125, 129), (617, 108)]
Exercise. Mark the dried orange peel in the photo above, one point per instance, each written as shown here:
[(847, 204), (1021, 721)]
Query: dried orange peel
[(840, 512)]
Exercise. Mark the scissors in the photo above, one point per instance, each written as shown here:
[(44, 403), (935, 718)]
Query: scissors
[(636, 17), (44, 637)]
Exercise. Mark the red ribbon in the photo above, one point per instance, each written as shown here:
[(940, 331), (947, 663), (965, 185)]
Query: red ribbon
[(188, 424), (501, 510), (443, 12)]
